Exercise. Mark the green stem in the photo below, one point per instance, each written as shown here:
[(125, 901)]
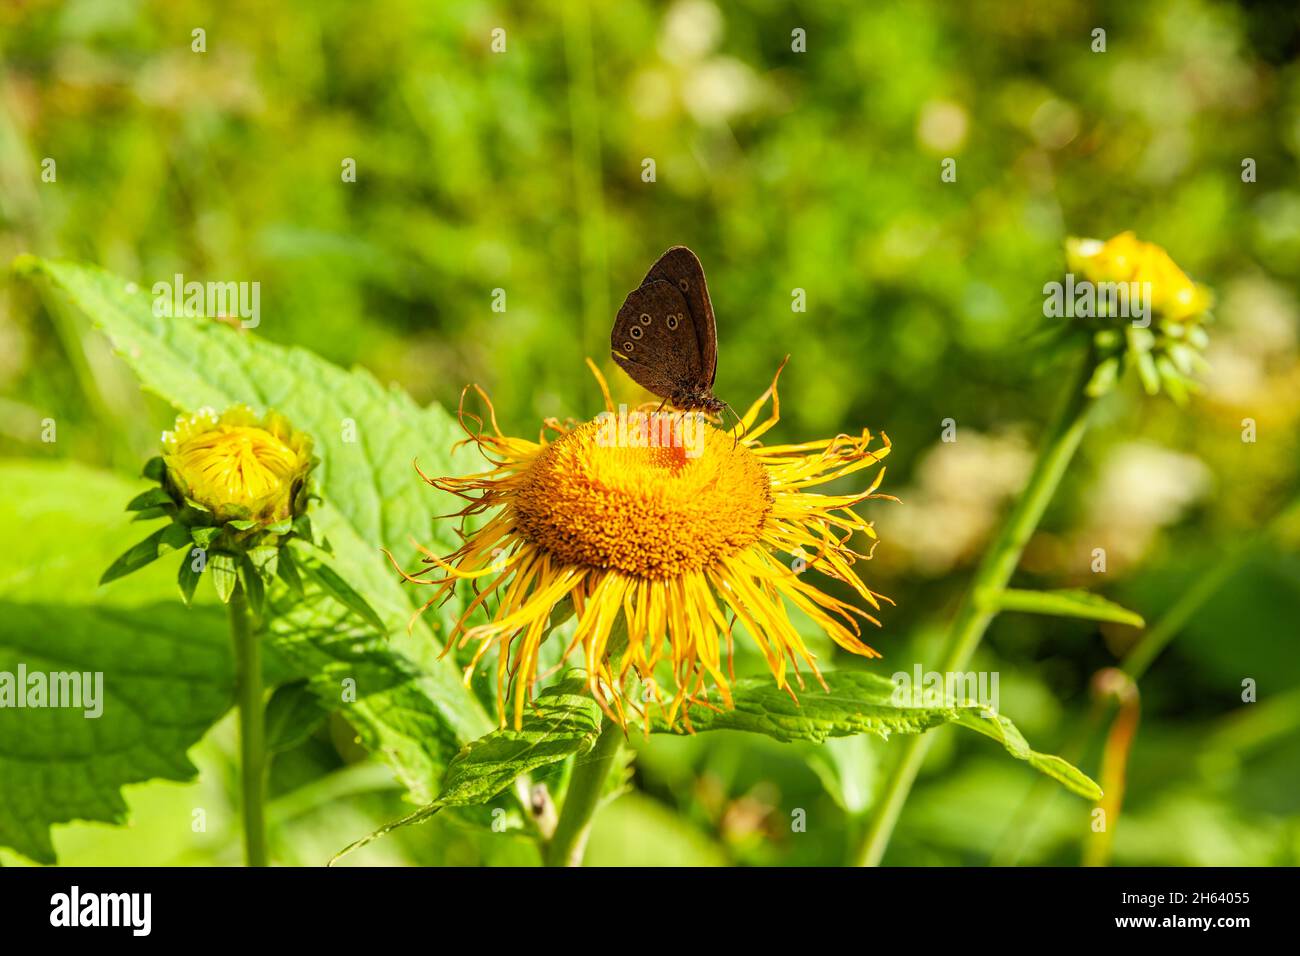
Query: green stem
[(992, 576), (586, 784), (252, 728)]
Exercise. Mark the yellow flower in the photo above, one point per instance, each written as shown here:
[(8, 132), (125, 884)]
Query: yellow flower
[(1125, 258), (239, 467), (1164, 343), (662, 531)]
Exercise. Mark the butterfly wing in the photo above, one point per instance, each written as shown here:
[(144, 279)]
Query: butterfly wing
[(653, 339), (681, 268)]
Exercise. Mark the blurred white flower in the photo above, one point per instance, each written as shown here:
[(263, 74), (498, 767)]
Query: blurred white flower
[(1253, 355), (690, 77), (1054, 124), (1141, 489), (719, 88), (959, 489), (942, 126), (691, 29)]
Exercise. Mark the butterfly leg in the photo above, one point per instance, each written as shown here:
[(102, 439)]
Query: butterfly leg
[(735, 439)]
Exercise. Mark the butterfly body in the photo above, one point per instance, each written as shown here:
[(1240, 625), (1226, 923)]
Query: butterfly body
[(665, 336)]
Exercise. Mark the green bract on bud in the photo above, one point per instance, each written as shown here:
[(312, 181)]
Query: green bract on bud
[(1141, 309), (235, 488)]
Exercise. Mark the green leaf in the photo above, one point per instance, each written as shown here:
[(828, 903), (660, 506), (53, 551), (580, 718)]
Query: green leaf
[(562, 721), (292, 714), (188, 578), (302, 528), (1104, 378), (64, 542), (371, 497), (349, 665), (287, 570), (859, 702), (1064, 603), (165, 539), (1139, 351), (148, 635), (135, 557), (264, 559), (847, 768), (254, 588), (150, 498), (204, 536), (166, 678), (224, 571), (1004, 732), (333, 584)]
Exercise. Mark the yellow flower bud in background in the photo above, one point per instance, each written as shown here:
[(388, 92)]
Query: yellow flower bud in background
[(1165, 344), (1126, 258)]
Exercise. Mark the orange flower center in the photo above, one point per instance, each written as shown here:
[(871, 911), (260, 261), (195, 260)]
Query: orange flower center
[(665, 495)]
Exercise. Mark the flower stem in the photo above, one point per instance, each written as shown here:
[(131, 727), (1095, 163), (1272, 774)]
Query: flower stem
[(566, 846), (252, 727), (991, 578)]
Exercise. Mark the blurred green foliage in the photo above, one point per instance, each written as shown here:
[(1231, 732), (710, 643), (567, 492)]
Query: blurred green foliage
[(819, 171)]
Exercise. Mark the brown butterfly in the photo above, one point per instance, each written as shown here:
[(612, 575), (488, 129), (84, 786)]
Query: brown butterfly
[(665, 335)]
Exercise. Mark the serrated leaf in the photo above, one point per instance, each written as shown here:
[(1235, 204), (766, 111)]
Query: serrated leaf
[(562, 721), (166, 679), (860, 702), (138, 635), (1063, 603), (371, 498)]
